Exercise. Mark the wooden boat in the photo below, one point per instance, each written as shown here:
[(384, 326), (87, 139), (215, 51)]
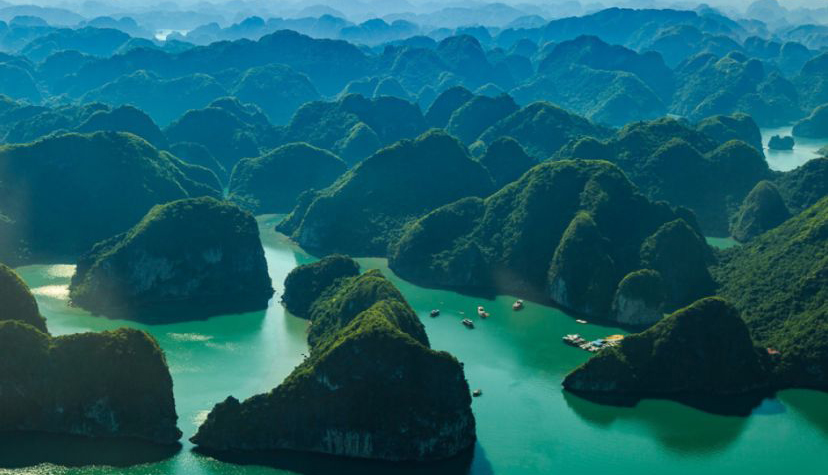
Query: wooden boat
[(434, 313), (518, 305), (468, 323)]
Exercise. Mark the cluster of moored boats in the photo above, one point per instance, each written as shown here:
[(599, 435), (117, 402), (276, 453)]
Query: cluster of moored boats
[(594, 346), (481, 312)]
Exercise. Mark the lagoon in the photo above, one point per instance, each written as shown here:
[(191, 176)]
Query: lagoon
[(526, 423)]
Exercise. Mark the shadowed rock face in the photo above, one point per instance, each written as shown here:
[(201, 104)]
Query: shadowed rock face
[(187, 259), (639, 299), (17, 302), (371, 387), (703, 349), (109, 384)]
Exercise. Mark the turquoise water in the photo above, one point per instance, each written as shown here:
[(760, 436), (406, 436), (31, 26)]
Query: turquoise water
[(526, 423), (785, 160), (722, 242)]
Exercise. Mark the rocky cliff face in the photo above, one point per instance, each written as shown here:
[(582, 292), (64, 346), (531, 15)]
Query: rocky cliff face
[(188, 258), (109, 384), (639, 299), (371, 388), (703, 349)]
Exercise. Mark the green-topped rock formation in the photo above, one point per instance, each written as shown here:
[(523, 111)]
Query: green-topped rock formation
[(779, 281), (566, 231), (366, 208), (17, 302), (371, 388), (272, 182), (701, 350), (64, 193), (109, 384), (304, 284), (763, 209), (640, 298), (190, 258)]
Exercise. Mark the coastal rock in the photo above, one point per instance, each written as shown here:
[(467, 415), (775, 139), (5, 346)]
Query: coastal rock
[(639, 299), (763, 209), (506, 161), (17, 302), (781, 142), (188, 258), (371, 388), (304, 284), (701, 350), (566, 231), (109, 384)]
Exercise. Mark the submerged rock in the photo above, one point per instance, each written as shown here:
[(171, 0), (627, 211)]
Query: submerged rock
[(763, 209), (371, 388), (704, 349), (188, 258)]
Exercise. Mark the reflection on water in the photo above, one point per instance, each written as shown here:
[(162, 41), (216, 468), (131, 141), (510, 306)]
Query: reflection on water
[(20, 450), (785, 160), (315, 464), (677, 428)]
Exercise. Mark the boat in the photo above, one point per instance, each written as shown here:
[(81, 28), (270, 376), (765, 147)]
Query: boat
[(468, 323), (574, 340), (477, 393), (435, 313), (583, 322), (518, 305), (482, 313)]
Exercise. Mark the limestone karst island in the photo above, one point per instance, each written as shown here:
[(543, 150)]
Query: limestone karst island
[(413, 237)]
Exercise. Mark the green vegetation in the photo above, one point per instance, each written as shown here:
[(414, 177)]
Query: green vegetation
[(277, 89), (272, 183), (701, 350), (440, 111), (371, 387), (778, 281), (763, 209), (109, 384), (506, 161), (125, 119), (64, 193), (382, 193), (805, 185), (468, 121), (542, 129), (304, 284), (738, 126), (190, 258), (532, 237), (334, 125), (17, 302), (815, 125), (672, 161)]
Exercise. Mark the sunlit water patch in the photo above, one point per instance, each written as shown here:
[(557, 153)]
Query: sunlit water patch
[(784, 160)]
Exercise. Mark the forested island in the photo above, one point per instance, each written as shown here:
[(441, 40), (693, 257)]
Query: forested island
[(331, 226)]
